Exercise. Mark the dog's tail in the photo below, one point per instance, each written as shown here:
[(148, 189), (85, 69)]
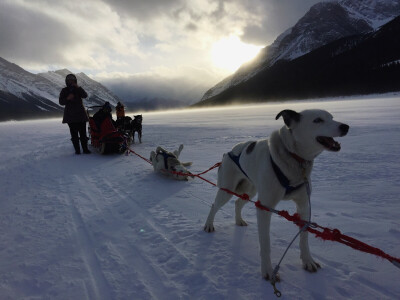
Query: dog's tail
[(187, 164)]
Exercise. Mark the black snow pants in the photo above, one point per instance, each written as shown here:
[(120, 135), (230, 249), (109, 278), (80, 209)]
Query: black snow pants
[(78, 128)]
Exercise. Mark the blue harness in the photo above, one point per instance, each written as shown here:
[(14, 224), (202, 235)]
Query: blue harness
[(166, 155), (283, 180), (235, 159)]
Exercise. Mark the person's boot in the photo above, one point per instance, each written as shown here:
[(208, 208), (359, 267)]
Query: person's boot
[(84, 143), (76, 146)]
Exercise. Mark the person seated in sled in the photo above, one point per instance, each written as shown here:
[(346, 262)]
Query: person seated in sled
[(103, 113)]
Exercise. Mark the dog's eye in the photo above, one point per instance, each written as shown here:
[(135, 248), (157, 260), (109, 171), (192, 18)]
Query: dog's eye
[(318, 120)]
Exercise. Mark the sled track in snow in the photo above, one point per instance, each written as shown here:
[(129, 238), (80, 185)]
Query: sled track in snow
[(156, 254), (98, 288), (137, 258)]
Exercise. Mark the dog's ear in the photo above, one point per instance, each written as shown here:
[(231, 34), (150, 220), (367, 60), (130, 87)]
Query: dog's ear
[(288, 116)]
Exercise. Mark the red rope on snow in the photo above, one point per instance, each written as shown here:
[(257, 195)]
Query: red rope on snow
[(328, 234), (324, 233), (206, 171), (130, 150)]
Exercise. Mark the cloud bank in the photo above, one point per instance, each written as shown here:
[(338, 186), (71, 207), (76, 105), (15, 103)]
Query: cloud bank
[(138, 38)]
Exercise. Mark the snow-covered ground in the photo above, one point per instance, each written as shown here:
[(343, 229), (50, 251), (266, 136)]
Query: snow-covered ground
[(108, 227)]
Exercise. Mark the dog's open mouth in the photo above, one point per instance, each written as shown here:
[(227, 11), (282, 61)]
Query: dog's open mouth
[(329, 143)]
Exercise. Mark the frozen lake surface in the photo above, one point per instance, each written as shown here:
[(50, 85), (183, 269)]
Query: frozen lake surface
[(108, 227)]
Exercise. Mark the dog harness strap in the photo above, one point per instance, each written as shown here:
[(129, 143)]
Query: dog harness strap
[(166, 155), (235, 159), (284, 181)]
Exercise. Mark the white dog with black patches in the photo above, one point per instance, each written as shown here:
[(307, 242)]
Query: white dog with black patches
[(276, 169), (168, 163)]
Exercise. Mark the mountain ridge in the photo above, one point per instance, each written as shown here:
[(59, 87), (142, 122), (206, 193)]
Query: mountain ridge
[(322, 24), (27, 95), (356, 65)]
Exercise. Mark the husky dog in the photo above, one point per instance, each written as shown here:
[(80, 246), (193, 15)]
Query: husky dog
[(123, 125), (136, 125), (168, 163), (277, 169)]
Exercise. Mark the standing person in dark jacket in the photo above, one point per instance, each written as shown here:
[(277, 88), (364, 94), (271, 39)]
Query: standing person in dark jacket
[(74, 112)]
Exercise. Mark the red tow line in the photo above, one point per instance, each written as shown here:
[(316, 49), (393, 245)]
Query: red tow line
[(324, 233)]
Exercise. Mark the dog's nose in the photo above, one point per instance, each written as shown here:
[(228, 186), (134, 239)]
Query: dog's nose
[(344, 129)]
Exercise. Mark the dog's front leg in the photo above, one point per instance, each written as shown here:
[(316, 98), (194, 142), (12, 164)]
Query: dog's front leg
[(264, 221), (153, 156), (177, 153), (221, 199), (308, 262)]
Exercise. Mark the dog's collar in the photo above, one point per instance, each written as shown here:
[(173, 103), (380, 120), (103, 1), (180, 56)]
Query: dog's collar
[(303, 162), (298, 158)]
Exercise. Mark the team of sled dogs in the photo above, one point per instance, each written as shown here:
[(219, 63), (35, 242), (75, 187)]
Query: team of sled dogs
[(276, 169)]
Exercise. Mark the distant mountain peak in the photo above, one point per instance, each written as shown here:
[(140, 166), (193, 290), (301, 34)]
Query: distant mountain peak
[(362, 64), (98, 93), (63, 72), (323, 23), (24, 94)]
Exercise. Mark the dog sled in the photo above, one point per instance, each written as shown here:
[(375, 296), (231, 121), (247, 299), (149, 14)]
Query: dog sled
[(103, 134)]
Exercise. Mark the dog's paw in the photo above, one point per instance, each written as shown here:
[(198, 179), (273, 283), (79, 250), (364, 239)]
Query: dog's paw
[(267, 271), (209, 228), (268, 277), (241, 222), (311, 266)]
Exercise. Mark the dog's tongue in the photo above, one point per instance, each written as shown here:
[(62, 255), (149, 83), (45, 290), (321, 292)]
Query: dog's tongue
[(333, 145), (329, 143)]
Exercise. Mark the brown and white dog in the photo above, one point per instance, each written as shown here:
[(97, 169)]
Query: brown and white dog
[(276, 169)]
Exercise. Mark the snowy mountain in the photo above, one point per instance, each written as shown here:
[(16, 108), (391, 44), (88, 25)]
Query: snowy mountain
[(24, 85), (97, 93), (323, 23), (27, 95), (359, 64)]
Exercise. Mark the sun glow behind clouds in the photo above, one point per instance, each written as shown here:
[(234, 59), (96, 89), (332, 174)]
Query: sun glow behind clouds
[(230, 53)]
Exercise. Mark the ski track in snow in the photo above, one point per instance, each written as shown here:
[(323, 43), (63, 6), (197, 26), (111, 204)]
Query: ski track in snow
[(98, 287), (108, 227)]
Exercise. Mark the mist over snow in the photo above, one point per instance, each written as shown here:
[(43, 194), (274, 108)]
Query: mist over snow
[(155, 91)]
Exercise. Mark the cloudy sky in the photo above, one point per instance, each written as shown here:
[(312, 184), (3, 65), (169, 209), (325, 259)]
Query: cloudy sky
[(201, 41)]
